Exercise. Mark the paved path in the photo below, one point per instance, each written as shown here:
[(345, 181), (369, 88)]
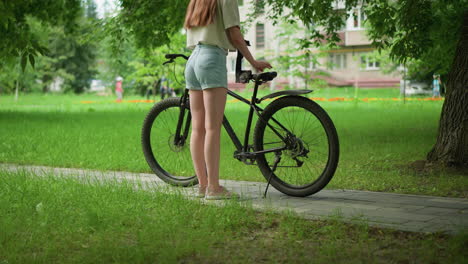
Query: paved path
[(415, 213)]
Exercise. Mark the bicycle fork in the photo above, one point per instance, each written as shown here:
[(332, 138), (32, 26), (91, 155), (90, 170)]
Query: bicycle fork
[(275, 165)]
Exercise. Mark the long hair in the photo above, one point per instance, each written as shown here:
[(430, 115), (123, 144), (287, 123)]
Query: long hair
[(200, 13)]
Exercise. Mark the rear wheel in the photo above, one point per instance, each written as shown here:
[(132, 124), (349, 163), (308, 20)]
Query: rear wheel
[(309, 137), (169, 159)]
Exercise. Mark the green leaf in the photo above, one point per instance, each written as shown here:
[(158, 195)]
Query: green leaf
[(24, 60), (31, 60), (43, 50)]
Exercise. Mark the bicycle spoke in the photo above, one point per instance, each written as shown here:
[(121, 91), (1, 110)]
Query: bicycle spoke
[(174, 159)]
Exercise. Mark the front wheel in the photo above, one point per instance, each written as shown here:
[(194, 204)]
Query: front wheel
[(309, 141), (167, 151)]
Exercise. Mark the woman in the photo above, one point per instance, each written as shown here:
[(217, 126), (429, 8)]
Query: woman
[(212, 31)]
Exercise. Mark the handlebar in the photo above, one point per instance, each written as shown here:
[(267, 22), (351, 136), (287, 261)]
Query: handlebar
[(241, 75), (175, 56), (172, 57)]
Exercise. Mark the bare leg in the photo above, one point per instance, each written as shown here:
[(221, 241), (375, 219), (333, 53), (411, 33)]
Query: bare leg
[(215, 101), (197, 138)]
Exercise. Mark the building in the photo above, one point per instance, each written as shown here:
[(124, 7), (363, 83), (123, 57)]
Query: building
[(348, 65)]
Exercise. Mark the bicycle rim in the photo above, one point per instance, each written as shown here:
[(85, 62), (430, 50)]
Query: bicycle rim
[(310, 159), (172, 162)]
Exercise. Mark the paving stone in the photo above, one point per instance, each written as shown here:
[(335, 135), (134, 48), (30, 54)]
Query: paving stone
[(316, 213), (437, 211), (351, 213), (454, 205), (449, 200), (399, 215), (445, 220), (326, 203), (409, 207), (393, 205), (390, 210)]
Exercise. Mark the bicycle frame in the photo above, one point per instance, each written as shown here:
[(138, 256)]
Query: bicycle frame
[(242, 150)]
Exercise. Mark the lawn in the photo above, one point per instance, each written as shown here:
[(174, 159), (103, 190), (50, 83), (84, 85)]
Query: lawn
[(53, 219), (61, 220), (378, 139)]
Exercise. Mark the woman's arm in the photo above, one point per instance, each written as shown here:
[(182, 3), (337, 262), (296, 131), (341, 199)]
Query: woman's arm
[(237, 39)]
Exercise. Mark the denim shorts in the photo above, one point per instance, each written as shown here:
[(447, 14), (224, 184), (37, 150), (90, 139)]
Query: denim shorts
[(206, 68)]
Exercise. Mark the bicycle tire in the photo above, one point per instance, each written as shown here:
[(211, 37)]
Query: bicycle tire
[(171, 163), (299, 181)]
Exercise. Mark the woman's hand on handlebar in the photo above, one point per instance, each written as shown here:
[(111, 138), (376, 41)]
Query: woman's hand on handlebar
[(261, 65), (237, 40)]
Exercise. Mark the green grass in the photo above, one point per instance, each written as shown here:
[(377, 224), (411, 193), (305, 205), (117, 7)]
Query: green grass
[(378, 139), (61, 220)]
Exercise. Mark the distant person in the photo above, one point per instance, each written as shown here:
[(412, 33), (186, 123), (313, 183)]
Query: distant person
[(436, 83), (151, 90), (170, 92), (164, 87), (119, 89)]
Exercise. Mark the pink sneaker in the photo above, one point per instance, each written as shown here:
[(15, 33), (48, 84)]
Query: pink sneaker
[(222, 194), (201, 192)]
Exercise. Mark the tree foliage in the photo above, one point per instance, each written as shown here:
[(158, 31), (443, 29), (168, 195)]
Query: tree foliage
[(148, 66), (424, 34), (68, 51), (17, 39), (152, 22), (69, 54)]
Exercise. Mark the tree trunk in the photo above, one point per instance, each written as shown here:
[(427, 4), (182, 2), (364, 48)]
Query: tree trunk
[(451, 147), (16, 90)]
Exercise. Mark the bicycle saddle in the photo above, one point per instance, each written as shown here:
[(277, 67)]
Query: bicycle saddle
[(266, 76)]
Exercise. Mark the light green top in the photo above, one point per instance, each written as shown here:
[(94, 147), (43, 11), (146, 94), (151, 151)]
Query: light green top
[(227, 15)]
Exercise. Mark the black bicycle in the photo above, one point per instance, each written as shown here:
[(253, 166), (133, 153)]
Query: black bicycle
[(295, 143)]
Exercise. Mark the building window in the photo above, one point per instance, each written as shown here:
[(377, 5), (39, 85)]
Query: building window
[(357, 19), (370, 63), (337, 61), (260, 35)]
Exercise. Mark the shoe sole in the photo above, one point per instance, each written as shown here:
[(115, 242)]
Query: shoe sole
[(221, 197)]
